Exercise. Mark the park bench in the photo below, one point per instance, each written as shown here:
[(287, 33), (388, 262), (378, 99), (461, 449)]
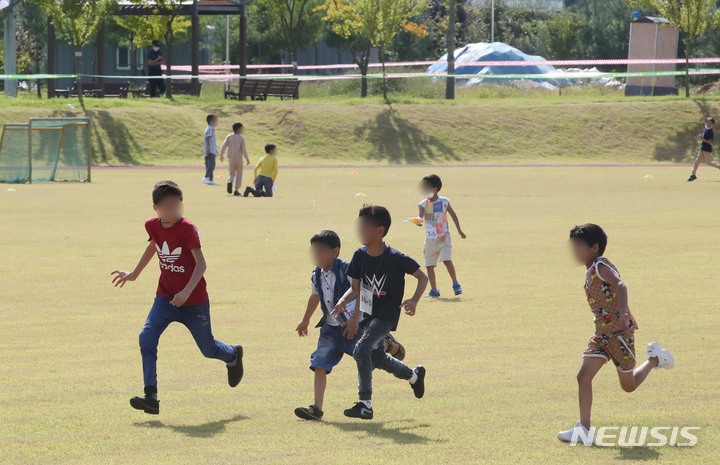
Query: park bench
[(261, 89)]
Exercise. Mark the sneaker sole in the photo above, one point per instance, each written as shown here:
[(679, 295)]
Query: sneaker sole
[(359, 418), (137, 405), (305, 415)]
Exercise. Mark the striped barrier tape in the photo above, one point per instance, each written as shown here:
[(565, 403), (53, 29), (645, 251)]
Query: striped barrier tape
[(562, 63), (234, 77)]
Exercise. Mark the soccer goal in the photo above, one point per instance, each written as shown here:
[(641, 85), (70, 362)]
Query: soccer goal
[(46, 149)]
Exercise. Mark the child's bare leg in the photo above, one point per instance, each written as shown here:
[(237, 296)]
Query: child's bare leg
[(589, 368), (431, 277), (631, 380), (320, 385), (451, 269)]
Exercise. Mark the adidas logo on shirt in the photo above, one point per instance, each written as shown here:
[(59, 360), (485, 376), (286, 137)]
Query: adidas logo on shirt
[(167, 258)]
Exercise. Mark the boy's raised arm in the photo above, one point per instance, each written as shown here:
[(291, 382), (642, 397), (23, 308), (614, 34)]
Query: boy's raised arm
[(197, 274), (121, 277), (454, 217)]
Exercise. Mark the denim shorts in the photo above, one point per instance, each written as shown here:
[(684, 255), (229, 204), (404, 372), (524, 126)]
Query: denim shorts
[(331, 347)]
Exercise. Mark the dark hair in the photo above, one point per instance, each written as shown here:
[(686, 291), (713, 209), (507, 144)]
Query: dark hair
[(155, 43), (591, 234), (237, 126), (269, 148), (433, 180), (165, 189), (711, 119), (210, 117), (380, 216), (327, 237)]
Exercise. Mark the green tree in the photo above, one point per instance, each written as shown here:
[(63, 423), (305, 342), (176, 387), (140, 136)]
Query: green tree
[(167, 23), (77, 21), (562, 36), (692, 17), (376, 21), (298, 21)]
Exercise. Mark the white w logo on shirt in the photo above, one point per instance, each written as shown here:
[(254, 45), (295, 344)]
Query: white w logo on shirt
[(376, 284)]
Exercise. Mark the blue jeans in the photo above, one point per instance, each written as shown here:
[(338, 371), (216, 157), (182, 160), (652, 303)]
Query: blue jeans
[(195, 318), (210, 166), (332, 345), (266, 183), (370, 353)]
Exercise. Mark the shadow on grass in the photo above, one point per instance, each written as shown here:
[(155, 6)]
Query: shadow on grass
[(638, 453), (684, 144), (399, 141), (118, 136), (399, 434), (204, 430)]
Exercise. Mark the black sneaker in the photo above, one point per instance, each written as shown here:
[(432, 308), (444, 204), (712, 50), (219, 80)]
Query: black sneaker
[(235, 372), (311, 413), (248, 190), (419, 386), (359, 410), (237, 194), (692, 178), (147, 404), (229, 187)]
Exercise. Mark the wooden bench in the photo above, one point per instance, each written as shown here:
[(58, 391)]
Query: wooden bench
[(284, 88), (261, 89)]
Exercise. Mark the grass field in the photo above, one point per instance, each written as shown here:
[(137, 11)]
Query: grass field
[(331, 130), (501, 359)]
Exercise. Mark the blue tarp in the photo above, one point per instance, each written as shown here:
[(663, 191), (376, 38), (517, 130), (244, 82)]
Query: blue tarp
[(496, 51)]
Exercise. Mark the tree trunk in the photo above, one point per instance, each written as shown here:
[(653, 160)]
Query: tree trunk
[(450, 82), (76, 70), (133, 56), (363, 63), (687, 69), (169, 39), (384, 76)]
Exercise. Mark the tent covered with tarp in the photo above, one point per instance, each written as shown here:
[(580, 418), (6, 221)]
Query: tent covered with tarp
[(497, 51)]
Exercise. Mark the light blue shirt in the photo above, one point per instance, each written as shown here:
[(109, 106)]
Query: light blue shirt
[(209, 142)]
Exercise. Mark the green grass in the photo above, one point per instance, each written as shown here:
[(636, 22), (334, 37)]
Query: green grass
[(483, 126), (501, 359)]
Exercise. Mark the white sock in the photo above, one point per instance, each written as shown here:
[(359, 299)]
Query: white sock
[(368, 403), (413, 378)]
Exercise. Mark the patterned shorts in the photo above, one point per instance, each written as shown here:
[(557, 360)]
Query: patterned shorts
[(618, 347)]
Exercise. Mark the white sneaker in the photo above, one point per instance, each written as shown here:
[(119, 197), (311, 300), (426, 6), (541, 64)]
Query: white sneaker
[(213, 183), (577, 434), (665, 357), (204, 180)]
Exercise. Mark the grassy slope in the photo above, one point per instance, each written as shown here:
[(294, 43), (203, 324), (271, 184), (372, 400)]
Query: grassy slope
[(332, 130), (501, 360)]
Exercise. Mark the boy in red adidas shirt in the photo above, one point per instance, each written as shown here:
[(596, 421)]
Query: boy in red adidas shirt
[(181, 295)]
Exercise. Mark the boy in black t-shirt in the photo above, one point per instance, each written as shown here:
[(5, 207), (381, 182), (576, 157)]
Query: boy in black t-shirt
[(378, 283), (706, 147)]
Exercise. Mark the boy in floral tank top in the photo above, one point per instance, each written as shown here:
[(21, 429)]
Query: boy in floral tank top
[(614, 337)]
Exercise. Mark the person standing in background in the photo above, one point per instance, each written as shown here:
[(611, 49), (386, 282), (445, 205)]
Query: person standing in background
[(156, 83)]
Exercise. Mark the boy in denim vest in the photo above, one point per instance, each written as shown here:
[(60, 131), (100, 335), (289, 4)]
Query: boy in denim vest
[(329, 283)]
